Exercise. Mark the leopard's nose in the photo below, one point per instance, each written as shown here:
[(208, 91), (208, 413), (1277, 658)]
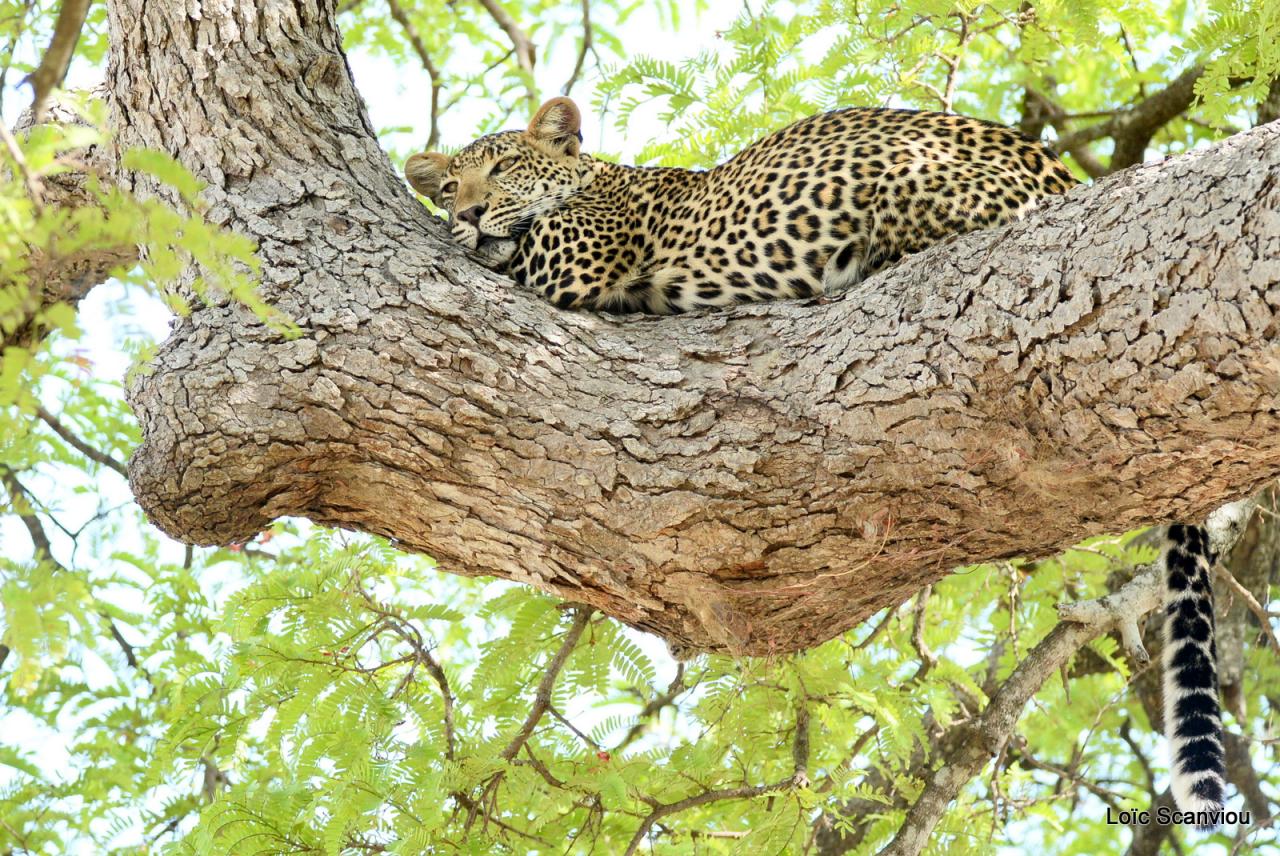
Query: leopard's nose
[(473, 214)]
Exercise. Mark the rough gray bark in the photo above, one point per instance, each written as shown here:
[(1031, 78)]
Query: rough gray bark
[(755, 480)]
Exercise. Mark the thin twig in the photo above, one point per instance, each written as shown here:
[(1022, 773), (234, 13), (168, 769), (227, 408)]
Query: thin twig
[(80, 445), (563, 720), (1250, 601), (587, 45), (542, 698), (653, 708)]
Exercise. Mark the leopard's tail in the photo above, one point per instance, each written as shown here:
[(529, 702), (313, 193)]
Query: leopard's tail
[(1192, 716)]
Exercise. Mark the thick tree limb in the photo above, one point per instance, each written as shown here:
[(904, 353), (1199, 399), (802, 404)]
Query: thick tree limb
[(1132, 129), (753, 480)]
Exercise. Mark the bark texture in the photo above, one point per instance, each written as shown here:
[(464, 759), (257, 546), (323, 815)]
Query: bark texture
[(756, 480)]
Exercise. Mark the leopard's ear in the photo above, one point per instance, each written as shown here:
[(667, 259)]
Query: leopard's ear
[(425, 171), (559, 124)]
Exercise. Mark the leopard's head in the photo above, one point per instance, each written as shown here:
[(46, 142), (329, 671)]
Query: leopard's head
[(498, 185)]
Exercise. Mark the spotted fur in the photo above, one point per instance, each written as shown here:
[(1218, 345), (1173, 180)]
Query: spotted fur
[(1192, 716), (812, 208)]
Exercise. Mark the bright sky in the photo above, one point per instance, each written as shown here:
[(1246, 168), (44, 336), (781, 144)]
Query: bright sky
[(395, 95)]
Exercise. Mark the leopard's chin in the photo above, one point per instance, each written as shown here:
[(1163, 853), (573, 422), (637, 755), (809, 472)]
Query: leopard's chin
[(493, 251)]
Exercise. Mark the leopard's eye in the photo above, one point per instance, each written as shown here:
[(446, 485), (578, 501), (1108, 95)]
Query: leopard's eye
[(450, 188), (504, 165)]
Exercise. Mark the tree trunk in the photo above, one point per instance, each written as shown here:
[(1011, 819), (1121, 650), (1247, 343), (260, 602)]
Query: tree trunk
[(755, 480)]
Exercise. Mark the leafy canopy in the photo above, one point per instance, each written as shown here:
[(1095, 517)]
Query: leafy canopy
[(315, 692)]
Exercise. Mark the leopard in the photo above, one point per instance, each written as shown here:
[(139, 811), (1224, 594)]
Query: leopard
[(807, 211)]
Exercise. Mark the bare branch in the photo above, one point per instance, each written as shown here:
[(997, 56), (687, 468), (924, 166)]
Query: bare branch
[(653, 708), (24, 507), (1081, 622), (57, 57), (1245, 595), (525, 51), (542, 698), (80, 445), (577, 732), (1065, 774), (1149, 837), (1132, 129), (587, 45), (1241, 773), (665, 809), (433, 72), (1086, 620), (437, 674), (800, 744), (928, 659)]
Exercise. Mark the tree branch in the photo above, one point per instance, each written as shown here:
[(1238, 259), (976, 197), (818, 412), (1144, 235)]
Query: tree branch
[(80, 445), (62, 279), (785, 471), (1240, 772), (24, 507), (653, 708), (526, 54), (1264, 621), (587, 45), (664, 809), (1081, 622), (997, 722), (542, 698), (433, 72), (57, 57), (1132, 129), (1269, 109)]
